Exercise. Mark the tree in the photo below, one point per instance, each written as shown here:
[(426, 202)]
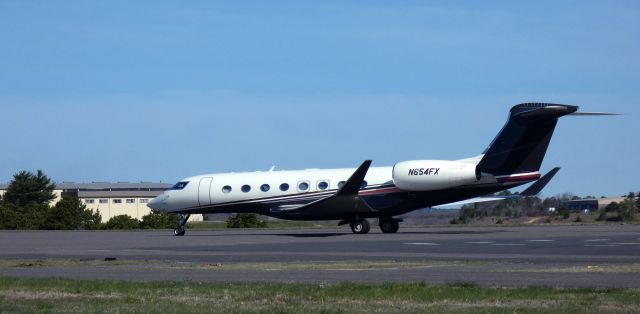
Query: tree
[(71, 214), (158, 220), (65, 215), (613, 207), (122, 222), (91, 220), (628, 210), (28, 189), (8, 217)]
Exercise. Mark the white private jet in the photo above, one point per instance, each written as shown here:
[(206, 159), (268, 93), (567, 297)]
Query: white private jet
[(353, 195)]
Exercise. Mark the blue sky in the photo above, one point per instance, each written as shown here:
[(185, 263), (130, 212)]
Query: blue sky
[(161, 90)]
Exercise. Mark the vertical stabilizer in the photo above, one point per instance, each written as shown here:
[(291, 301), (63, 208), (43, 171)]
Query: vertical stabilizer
[(522, 144)]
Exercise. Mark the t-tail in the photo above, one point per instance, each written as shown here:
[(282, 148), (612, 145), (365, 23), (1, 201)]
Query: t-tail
[(522, 144)]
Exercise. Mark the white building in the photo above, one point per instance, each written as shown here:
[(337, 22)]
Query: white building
[(112, 199)]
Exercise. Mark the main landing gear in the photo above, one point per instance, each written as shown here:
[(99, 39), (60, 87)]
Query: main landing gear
[(179, 230), (389, 225), (362, 226)]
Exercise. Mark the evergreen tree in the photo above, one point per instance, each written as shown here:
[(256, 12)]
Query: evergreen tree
[(70, 214), (28, 189), (91, 220), (8, 217)]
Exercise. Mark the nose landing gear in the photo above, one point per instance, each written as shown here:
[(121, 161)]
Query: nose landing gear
[(179, 230)]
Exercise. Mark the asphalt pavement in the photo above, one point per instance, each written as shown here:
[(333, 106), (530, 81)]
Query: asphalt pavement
[(576, 256)]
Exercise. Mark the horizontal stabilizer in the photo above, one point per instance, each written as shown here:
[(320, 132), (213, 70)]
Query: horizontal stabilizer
[(533, 190), (537, 187), (594, 114)]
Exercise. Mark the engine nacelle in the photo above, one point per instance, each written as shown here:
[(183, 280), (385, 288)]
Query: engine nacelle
[(427, 175)]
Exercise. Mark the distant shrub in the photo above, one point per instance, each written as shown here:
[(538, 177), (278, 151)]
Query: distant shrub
[(158, 220), (122, 222), (245, 221)]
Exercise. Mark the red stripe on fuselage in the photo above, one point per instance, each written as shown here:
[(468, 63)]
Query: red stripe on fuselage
[(380, 191), (519, 178)]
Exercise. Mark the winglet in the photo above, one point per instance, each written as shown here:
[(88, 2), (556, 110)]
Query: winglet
[(352, 186), (537, 187)]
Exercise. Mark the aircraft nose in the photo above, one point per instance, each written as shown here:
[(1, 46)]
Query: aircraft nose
[(157, 203)]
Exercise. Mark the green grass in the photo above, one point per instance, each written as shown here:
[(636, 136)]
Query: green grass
[(73, 296), (123, 264)]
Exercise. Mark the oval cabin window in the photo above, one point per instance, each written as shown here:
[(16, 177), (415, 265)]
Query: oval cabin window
[(323, 185)]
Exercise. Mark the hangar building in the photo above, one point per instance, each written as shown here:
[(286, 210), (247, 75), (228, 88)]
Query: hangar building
[(591, 205), (112, 199)]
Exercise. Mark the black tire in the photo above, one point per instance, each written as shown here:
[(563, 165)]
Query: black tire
[(389, 226), (360, 226), (179, 232)]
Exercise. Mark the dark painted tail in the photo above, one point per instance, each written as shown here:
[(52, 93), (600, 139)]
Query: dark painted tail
[(521, 145)]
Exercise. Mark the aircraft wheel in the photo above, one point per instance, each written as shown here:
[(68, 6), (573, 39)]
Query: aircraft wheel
[(360, 226), (389, 226), (179, 232)]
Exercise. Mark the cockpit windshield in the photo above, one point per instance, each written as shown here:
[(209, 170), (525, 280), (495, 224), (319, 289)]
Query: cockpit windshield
[(180, 185)]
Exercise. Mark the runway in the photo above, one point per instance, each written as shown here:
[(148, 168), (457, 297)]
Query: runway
[(576, 256)]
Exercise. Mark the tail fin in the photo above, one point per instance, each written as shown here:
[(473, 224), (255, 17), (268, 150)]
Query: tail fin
[(521, 145)]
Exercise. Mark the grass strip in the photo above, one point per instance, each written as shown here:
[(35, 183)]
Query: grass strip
[(79, 296)]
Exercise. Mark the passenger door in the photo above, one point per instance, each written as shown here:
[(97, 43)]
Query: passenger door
[(204, 197)]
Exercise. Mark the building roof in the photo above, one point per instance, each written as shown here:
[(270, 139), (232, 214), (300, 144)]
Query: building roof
[(116, 194)]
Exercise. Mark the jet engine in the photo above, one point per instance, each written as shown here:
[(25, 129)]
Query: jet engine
[(427, 175)]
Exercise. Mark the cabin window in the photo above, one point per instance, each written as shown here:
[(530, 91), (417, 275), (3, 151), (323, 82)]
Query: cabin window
[(246, 188), (226, 189), (284, 187), (131, 201), (144, 200), (323, 185), (180, 185), (265, 188), (341, 184), (117, 201), (89, 201), (303, 186), (104, 201)]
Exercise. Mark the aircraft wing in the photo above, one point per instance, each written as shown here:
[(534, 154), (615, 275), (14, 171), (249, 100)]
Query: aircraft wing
[(345, 197), (532, 190)]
